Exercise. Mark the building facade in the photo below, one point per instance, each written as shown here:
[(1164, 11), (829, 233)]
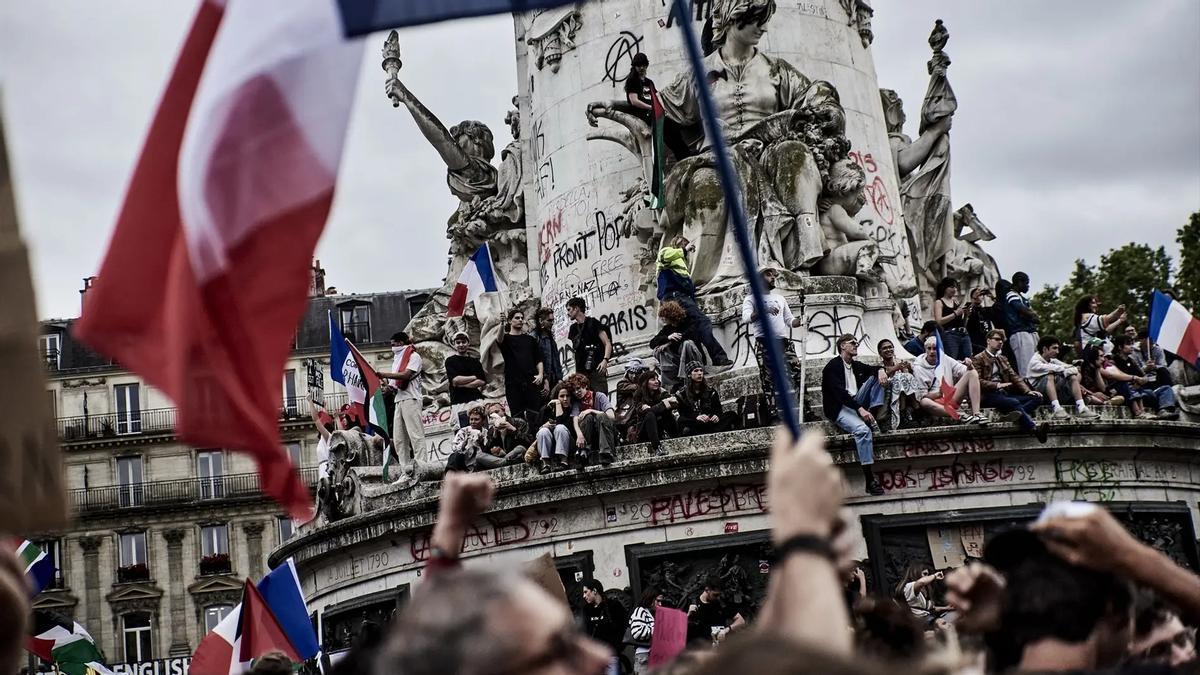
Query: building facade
[(163, 535)]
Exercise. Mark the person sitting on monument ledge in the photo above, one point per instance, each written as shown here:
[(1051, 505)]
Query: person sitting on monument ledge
[(1004, 390), (1090, 323), (700, 410), (1149, 357), (916, 345), (558, 430), (592, 344), (779, 314), (850, 389), (901, 390), (1160, 398), (653, 417), (676, 345), (1096, 389), (594, 421), (627, 386), (966, 385), (507, 436), (675, 283), (639, 94), (468, 452), (464, 372), (1057, 380), (543, 332)]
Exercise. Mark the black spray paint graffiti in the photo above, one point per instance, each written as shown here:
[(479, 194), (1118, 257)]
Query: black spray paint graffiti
[(826, 325), (607, 235), (632, 319), (620, 55)]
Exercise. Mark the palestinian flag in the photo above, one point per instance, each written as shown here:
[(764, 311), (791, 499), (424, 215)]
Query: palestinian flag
[(657, 199), (351, 369), (66, 644), (37, 565)]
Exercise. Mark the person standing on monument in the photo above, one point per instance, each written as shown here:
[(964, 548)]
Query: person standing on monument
[(850, 389), (950, 315), (1022, 323), (464, 373), (408, 432), (523, 374), (543, 332), (779, 314), (592, 343)]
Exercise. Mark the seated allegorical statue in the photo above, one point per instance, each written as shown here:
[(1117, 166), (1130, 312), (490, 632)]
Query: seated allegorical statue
[(850, 250)]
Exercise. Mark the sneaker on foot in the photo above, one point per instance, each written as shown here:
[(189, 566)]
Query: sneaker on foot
[(874, 488), (1040, 432), (1011, 416), (606, 458), (1168, 414), (1060, 414), (1086, 414), (544, 467)]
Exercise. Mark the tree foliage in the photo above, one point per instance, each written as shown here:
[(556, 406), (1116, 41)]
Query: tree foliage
[(1188, 279)]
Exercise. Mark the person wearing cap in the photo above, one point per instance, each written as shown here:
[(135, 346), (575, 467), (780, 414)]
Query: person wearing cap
[(849, 390), (779, 315), (464, 372), (1003, 389), (700, 409), (627, 388)]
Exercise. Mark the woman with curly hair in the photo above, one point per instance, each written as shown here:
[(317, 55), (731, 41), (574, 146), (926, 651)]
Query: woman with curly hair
[(676, 344), (700, 410), (653, 417)]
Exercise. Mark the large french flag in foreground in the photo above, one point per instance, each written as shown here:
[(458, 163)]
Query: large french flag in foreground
[(944, 372), (478, 277), (1174, 328), (206, 276), (272, 616)]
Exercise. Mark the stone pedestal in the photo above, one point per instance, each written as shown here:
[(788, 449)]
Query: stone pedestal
[(91, 585), (175, 600)]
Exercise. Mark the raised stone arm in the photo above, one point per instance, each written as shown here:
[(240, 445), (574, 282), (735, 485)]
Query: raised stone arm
[(431, 127), (633, 134)]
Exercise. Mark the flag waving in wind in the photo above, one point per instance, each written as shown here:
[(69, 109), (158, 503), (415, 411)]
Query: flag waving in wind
[(1174, 328), (348, 367), (207, 276), (477, 277), (37, 565), (66, 644)]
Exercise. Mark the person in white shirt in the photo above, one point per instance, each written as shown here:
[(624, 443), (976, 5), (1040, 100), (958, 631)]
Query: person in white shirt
[(779, 315), (408, 433), (966, 384), (1057, 380)]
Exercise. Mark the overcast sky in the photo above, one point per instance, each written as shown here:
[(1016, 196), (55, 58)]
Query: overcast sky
[(1078, 128)]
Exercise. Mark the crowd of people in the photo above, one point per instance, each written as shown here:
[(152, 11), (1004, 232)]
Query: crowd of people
[(974, 354), (1072, 592)]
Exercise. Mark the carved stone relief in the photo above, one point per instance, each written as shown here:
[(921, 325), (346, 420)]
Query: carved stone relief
[(552, 35)]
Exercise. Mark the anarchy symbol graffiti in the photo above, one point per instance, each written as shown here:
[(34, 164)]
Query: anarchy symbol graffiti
[(620, 55)]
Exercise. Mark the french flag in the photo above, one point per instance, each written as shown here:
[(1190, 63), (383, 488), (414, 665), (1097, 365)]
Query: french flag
[(272, 616), (1174, 328), (206, 276), (944, 372), (368, 16), (477, 278)]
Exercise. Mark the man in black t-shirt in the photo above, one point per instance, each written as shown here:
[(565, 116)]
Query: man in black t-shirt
[(709, 616), (603, 619), (638, 88), (464, 372), (592, 343), (523, 372)]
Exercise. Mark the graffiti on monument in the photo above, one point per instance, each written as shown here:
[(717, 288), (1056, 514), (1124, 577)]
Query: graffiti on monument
[(619, 58)]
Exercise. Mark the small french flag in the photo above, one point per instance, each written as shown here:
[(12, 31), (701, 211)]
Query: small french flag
[(944, 372), (478, 277), (1174, 328)]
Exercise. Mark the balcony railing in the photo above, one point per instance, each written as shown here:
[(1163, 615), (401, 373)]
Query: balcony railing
[(131, 573), (240, 486), (162, 420), (215, 564)]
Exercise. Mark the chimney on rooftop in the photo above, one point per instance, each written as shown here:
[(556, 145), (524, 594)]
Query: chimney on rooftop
[(87, 284), (316, 286)]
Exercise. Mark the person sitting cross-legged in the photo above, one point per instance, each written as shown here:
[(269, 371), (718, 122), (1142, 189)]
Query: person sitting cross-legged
[(700, 409), (557, 430), (1057, 380), (849, 390), (507, 436), (1137, 385), (966, 385), (1003, 389), (467, 450)]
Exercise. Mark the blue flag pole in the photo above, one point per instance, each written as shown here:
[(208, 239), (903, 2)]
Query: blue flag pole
[(784, 400)]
